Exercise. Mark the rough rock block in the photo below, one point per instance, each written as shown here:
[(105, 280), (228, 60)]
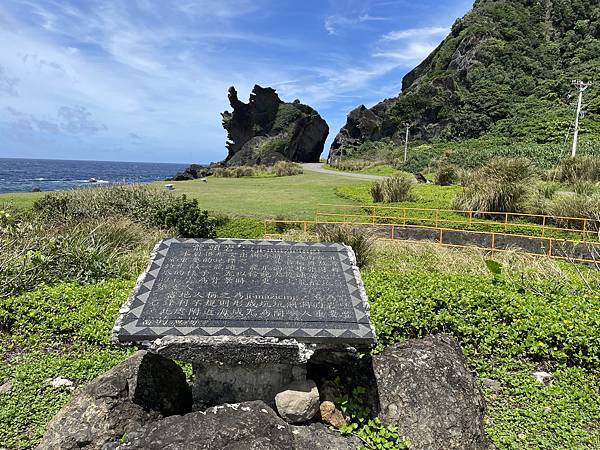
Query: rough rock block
[(242, 426), (427, 391), (141, 389)]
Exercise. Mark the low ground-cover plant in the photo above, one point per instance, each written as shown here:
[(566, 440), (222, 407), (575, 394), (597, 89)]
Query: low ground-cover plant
[(393, 189), (491, 319), (64, 313), (502, 185), (371, 431), (525, 321)]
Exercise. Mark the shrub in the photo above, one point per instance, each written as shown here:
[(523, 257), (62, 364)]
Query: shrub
[(393, 189), (235, 172), (446, 174), (186, 218), (134, 201), (273, 144), (351, 165), (361, 242), (501, 185), (286, 115), (580, 168), (286, 168)]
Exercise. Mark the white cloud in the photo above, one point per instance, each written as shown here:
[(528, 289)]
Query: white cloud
[(419, 33), (335, 22)]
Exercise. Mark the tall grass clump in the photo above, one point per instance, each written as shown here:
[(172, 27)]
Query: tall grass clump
[(393, 189), (361, 242), (501, 185), (141, 204), (287, 169), (446, 174), (134, 201), (580, 168), (565, 205), (32, 254)]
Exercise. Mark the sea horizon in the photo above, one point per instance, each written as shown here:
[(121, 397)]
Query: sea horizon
[(47, 174)]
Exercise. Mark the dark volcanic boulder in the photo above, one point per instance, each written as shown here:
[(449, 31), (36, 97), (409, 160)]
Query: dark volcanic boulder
[(242, 426), (317, 436), (426, 390), (267, 130), (192, 172), (362, 125), (141, 389)]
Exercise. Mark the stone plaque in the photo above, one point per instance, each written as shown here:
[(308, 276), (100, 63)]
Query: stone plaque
[(311, 292)]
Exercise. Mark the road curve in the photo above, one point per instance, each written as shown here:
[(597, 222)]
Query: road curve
[(318, 167)]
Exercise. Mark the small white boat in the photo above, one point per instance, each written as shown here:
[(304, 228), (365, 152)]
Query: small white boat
[(169, 187), (92, 180)]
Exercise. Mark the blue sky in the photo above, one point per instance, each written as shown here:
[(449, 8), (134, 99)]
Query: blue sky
[(146, 80)]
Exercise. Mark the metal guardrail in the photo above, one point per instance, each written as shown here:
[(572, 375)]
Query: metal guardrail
[(483, 240), (575, 228)]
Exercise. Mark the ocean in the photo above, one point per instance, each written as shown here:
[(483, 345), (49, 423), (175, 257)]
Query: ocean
[(23, 175)]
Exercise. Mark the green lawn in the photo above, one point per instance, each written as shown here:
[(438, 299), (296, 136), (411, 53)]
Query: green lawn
[(21, 200), (292, 197), (378, 169)]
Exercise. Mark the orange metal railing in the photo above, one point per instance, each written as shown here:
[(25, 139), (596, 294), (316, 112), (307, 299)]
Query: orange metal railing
[(553, 246)]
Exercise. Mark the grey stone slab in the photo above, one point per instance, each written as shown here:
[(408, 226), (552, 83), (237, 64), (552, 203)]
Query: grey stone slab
[(307, 291)]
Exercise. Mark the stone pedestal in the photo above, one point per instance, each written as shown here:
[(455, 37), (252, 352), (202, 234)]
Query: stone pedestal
[(237, 369)]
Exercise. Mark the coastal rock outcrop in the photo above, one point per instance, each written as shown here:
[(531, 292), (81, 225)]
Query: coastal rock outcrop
[(266, 130), (427, 391), (193, 172), (140, 390), (366, 124)]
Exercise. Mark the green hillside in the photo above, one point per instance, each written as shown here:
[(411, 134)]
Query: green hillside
[(504, 71)]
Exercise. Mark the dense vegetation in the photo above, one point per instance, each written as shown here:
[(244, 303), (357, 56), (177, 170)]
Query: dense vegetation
[(76, 263), (505, 70)]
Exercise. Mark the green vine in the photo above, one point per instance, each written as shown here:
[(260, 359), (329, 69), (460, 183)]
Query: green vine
[(372, 432)]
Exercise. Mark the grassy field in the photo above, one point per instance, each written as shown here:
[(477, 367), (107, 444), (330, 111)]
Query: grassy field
[(260, 197), (21, 200)]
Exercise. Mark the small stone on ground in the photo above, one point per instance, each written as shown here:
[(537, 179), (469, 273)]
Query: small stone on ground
[(298, 402)]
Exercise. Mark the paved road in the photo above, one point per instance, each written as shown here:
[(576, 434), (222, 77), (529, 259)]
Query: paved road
[(317, 167)]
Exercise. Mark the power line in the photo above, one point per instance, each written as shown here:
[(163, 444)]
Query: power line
[(582, 86)]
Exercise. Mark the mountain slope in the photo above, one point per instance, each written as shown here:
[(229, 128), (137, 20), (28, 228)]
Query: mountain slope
[(505, 70)]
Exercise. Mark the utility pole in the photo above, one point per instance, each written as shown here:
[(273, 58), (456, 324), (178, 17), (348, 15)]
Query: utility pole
[(582, 87), (406, 142)]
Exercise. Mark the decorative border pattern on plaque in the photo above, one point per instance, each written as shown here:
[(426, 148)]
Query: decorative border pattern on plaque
[(126, 329)]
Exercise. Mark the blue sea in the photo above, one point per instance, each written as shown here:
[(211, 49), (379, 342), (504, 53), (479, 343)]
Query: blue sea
[(23, 175)]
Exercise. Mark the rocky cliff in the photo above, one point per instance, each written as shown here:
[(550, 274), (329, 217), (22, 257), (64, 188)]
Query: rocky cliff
[(505, 69), (266, 130)]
